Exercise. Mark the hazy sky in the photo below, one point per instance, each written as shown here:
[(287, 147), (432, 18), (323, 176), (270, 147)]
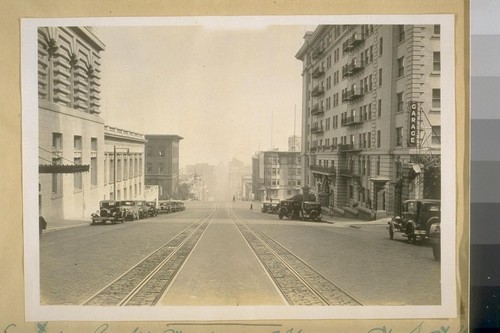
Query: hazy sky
[(217, 87)]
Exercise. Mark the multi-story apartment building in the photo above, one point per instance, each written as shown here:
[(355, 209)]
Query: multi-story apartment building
[(371, 115), (71, 133), (162, 163), (276, 175), (125, 179)]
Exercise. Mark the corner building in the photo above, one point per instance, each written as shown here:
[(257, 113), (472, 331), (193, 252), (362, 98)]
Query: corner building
[(71, 131), (371, 116)]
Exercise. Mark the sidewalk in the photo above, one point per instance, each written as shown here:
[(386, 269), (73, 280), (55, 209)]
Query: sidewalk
[(54, 225)]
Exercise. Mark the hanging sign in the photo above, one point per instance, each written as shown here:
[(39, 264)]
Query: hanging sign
[(413, 124)]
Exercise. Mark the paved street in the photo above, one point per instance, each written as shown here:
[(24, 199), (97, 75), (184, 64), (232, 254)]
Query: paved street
[(227, 254)]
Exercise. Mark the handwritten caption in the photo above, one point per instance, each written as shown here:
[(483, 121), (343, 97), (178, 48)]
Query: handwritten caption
[(43, 327)]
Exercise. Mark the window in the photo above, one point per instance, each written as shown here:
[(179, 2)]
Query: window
[(161, 152), (379, 137), (378, 166), (369, 138), (401, 33), (381, 46), (400, 101), (125, 168), (328, 83), (436, 98), (149, 151), (436, 61), (77, 177), (56, 141), (77, 142), (119, 170), (149, 169), (436, 135), (379, 108), (93, 144), (93, 171), (111, 171), (56, 178), (380, 76), (399, 136), (401, 67), (161, 169), (437, 29)]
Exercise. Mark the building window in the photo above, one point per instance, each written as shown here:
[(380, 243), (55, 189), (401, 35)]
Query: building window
[(369, 138), (93, 144), (93, 171), (111, 171), (399, 136), (436, 98), (125, 168), (77, 142), (381, 46), (119, 170), (436, 61), (56, 178), (161, 152), (379, 108), (161, 169), (77, 177), (379, 138), (57, 141), (436, 135), (401, 67), (401, 33), (378, 166), (437, 29), (149, 169), (400, 101), (380, 76)]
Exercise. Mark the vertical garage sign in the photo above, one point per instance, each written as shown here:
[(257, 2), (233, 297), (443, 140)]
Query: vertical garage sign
[(413, 124)]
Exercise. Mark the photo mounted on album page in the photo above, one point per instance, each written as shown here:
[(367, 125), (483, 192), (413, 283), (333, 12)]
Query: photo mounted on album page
[(239, 168)]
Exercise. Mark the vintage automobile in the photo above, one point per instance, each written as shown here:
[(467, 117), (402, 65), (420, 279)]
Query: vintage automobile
[(142, 208), (290, 209), (274, 208), (266, 206), (435, 240), (131, 209), (164, 207), (311, 210), (176, 206), (109, 210), (151, 208), (417, 217)]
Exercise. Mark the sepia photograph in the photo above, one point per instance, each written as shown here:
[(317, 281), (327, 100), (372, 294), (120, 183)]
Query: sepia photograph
[(239, 167)]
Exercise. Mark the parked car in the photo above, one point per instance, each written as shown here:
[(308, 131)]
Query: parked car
[(164, 207), (311, 210), (417, 217), (131, 209), (290, 209), (266, 206), (109, 210), (142, 208), (274, 208), (151, 208)]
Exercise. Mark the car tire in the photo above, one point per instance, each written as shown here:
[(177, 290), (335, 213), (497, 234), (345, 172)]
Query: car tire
[(436, 251)]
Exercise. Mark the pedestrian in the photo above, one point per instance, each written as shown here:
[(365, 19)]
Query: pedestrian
[(251, 206), (42, 224)]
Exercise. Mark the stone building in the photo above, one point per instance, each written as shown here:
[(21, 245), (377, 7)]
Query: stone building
[(162, 163), (276, 175), (71, 133), (371, 115)]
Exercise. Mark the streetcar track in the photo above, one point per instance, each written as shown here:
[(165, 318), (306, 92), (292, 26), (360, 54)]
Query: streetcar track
[(145, 282), (299, 283)]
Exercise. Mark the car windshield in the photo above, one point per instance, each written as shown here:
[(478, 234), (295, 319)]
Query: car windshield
[(128, 203), (108, 204)]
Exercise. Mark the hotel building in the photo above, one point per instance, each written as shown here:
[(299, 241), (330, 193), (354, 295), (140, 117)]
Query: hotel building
[(371, 116)]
